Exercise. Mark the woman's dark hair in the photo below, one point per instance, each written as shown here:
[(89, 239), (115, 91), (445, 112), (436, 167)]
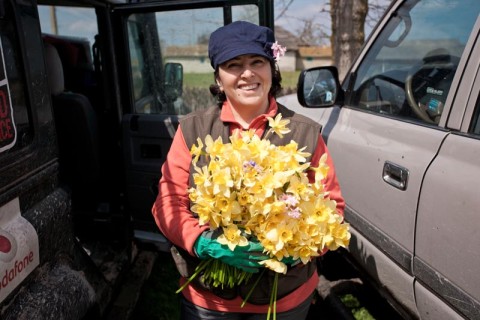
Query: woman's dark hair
[(274, 90)]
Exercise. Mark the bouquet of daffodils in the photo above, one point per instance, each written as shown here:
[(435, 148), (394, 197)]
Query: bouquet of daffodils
[(252, 188)]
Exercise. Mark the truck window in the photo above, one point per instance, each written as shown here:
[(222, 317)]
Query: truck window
[(408, 71), (66, 21), (72, 31), (16, 131), (181, 39)]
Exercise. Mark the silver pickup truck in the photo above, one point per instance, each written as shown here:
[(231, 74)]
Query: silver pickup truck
[(403, 128)]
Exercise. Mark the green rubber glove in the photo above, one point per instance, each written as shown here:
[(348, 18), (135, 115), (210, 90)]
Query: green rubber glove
[(290, 261), (245, 258)]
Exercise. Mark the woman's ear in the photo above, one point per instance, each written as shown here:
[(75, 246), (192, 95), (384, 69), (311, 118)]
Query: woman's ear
[(219, 84)]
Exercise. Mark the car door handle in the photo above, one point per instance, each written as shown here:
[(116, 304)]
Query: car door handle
[(395, 175)]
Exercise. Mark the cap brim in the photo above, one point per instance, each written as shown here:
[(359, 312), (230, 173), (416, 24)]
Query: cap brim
[(239, 52)]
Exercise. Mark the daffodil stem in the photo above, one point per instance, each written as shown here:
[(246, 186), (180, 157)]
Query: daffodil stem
[(272, 307), (275, 285), (203, 264), (251, 290), (269, 132)]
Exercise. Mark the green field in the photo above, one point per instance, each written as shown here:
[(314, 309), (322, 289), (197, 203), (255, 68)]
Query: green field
[(289, 80)]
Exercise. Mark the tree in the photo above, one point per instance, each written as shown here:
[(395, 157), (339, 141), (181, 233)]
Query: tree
[(342, 24), (313, 29), (348, 34)]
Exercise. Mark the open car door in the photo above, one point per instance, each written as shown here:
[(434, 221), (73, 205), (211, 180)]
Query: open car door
[(165, 73)]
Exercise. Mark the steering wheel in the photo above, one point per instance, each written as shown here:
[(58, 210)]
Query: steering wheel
[(436, 66)]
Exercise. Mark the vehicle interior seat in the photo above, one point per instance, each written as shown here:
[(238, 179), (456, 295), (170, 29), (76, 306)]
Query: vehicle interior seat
[(77, 131), (76, 57)]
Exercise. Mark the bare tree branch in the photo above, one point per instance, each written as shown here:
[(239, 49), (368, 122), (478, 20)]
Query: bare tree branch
[(284, 8)]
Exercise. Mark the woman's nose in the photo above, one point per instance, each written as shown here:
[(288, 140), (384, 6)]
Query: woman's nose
[(247, 73)]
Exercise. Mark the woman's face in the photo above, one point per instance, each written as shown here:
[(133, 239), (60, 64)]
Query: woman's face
[(246, 81)]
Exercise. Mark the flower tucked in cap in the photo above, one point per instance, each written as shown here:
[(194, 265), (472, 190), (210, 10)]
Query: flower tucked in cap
[(241, 37)]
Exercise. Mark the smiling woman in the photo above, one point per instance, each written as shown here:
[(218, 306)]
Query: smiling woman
[(247, 78)]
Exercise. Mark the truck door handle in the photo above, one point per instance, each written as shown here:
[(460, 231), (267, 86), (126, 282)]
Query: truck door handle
[(395, 175)]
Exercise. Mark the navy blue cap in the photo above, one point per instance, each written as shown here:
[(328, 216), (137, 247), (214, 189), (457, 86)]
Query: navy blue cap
[(238, 38)]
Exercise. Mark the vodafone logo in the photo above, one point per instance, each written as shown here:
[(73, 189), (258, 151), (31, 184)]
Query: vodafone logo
[(8, 246), (19, 251)]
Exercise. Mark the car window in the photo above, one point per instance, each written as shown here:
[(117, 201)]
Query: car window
[(181, 38), (408, 71), (72, 22)]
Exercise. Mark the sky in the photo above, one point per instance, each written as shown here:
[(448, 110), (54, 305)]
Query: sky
[(291, 20), (301, 9)]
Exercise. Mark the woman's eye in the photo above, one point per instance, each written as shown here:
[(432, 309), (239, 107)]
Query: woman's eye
[(233, 65), (258, 62)]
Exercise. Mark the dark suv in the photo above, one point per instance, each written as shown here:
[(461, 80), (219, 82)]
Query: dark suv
[(85, 125)]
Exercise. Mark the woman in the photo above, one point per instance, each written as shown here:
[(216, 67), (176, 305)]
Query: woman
[(243, 56)]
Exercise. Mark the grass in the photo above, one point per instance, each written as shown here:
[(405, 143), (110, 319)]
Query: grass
[(158, 300), (198, 80), (359, 312), (204, 80)]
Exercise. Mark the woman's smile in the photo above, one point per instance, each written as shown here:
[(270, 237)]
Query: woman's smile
[(249, 87)]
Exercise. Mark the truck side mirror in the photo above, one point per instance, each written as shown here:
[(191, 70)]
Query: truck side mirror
[(319, 87), (173, 80)]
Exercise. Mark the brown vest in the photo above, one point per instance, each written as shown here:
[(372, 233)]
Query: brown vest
[(305, 132), (199, 124)]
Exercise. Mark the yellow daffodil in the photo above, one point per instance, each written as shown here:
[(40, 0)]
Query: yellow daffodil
[(274, 265), (229, 208), (197, 150), (340, 236), (305, 253), (232, 237), (298, 185), (320, 172), (222, 182), (258, 150), (202, 176), (278, 125), (244, 197), (252, 185), (296, 155), (285, 233), (214, 148)]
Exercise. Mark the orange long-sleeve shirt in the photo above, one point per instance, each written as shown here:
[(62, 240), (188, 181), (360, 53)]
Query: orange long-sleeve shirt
[(175, 220)]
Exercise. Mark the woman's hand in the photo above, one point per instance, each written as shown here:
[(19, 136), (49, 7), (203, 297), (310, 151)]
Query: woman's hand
[(242, 257)]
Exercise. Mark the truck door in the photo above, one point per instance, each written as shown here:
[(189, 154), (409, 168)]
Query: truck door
[(165, 73), (446, 255)]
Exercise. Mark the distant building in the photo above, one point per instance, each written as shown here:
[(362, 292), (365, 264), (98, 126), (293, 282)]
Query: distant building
[(298, 56), (309, 57), (193, 58)]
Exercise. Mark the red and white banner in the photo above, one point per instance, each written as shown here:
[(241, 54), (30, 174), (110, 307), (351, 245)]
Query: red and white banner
[(19, 252)]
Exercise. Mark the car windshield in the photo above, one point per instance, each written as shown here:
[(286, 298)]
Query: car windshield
[(414, 59)]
